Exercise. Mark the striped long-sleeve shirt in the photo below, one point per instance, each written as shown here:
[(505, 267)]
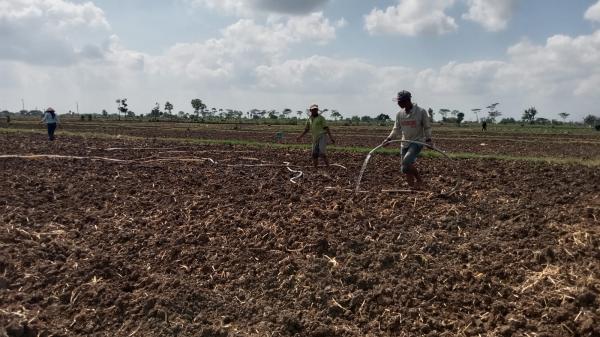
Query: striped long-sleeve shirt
[(414, 125)]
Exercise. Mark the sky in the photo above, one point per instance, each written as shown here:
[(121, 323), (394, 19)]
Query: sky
[(349, 55)]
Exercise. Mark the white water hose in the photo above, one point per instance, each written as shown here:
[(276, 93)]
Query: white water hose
[(364, 166), (297, 173)]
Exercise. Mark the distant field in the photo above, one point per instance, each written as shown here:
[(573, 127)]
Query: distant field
[(564, 143)]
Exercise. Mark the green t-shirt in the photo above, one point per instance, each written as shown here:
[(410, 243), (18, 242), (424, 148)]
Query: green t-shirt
[(317, 127)]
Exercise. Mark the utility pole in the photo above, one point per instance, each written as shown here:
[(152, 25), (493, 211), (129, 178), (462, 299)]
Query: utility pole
[(77, 104), (23, 103)]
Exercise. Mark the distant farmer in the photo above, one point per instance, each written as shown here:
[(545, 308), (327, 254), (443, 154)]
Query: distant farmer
[(317, 126), (484, 125), (415, 125), (51, 120), (279, 136)]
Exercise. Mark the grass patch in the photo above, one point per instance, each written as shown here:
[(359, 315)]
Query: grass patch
[(333, 148)]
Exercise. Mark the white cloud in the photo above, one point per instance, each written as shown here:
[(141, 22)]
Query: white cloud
[(39, 31), (316, 72), (411, 18), (561, 75), (414, 17), (313, 27), (59, 14), (493, 15), (234, 7), (593, 13), (248, 66), (474, 78), (561, 66), (252, 7), (242, 47)]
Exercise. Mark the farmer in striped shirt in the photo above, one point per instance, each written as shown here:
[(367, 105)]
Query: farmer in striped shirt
[(414, 124)]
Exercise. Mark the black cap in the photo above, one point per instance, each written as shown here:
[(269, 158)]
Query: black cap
[(403, 96)]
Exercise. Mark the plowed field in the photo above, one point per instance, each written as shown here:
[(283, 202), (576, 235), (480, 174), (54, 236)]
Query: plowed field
[(582, 144), (151, 238)]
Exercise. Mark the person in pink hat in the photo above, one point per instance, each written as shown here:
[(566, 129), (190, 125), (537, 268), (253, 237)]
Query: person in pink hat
[(51, 119)]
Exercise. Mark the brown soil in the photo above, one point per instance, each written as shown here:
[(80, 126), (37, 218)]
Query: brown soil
[(186, 247)]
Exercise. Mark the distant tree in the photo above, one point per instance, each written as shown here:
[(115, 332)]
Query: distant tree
[(564, 116), (367, 119), (122, 106), (508, 121), (104, 113), (272, 114), (493, 113), (285, 112), (336, 115), (591, 120), (130, 114), (529, 115), (198, 106), (460, 117), (169, 107), (430, 111), (454, 113), (355, 119), (542, 120), (444, 113), (299, 113), (492, 106), (155, 112), (382, 117), (476, 112), (254, 114)]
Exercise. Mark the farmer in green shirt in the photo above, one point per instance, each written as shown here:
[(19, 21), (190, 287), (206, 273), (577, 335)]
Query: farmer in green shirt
[(317, 126)]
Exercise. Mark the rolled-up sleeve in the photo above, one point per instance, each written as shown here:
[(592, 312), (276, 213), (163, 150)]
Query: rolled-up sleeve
[(426, 125)]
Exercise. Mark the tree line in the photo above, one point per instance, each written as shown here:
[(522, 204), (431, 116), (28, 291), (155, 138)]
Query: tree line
[(202, 112)]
